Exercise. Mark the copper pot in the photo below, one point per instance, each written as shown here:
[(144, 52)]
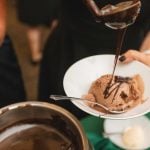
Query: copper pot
[(39, 125)]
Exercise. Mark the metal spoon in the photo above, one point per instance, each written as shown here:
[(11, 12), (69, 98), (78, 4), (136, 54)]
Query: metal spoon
[(60, 97), (106, 135)]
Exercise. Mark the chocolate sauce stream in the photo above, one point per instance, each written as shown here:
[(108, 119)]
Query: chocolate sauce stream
[(119, 21), (121, 34), (108, 91)]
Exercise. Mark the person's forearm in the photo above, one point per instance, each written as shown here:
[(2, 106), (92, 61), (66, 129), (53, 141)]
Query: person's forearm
[(2, 19), (146, 43)]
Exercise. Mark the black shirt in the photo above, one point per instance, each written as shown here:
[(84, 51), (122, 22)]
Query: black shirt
[(82, 23)]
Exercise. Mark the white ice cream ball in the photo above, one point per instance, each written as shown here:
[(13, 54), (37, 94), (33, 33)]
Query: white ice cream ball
[(133, 137)]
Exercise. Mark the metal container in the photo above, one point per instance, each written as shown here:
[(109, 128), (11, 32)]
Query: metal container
[(40, 126)]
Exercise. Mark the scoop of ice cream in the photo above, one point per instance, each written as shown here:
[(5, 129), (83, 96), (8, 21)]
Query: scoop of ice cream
[(133, 137), (117, 92)]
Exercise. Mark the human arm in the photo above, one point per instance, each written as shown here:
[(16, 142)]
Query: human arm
[(91, 5), (2, 20), (131, 55), (141, 55)]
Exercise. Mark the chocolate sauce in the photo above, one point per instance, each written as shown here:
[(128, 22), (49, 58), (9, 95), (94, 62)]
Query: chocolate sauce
[(111, 87), (121, 34), (114, 87), (118, 17), (121, 15)]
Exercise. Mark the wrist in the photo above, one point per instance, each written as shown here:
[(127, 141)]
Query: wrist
[(146, 51)]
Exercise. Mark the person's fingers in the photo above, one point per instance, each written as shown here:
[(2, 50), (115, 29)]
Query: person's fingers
[(92, 7), (125, 59), (128, 56), (131, 55)]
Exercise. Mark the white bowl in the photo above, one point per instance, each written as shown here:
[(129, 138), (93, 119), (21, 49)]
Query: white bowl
[(79, 76), (119, 126)]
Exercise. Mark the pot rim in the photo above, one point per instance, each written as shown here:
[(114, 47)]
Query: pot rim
[(53, 107)]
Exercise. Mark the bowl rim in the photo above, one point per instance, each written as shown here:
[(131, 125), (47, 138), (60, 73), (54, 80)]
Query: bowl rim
[(101, 114)]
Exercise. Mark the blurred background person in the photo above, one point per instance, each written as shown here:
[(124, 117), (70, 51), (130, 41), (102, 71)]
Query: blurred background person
[(11, 84), (36, 14), (78, 36), (3, 15)]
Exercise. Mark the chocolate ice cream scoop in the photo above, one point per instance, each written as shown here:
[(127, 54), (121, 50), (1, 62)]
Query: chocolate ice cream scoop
[(117, 93)]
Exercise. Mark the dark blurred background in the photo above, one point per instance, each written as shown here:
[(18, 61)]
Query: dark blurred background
[(17, 31)]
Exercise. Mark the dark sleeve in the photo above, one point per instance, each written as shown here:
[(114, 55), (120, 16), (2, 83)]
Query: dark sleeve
[(35, 12), (143, 20), (145, 11), (11, 82)]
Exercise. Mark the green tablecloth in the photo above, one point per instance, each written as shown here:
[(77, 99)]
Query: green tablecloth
[(93, 127)]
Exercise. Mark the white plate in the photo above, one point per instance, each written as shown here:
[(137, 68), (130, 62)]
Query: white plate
[(80, 75), (120, 125)]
